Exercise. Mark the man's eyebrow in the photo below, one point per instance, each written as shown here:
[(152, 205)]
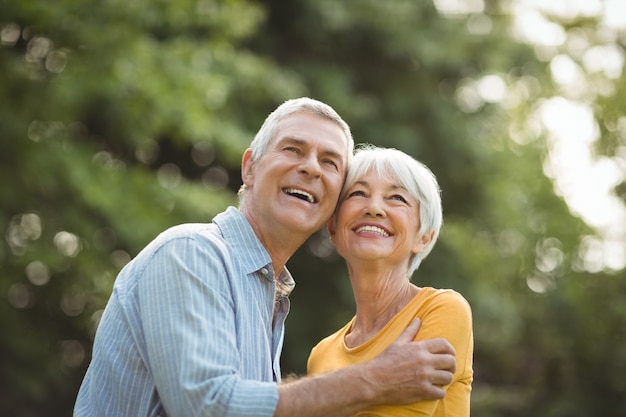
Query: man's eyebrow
[(295, 141), (333, 154)]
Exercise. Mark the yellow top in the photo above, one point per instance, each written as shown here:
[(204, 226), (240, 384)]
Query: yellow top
[(444, 313)]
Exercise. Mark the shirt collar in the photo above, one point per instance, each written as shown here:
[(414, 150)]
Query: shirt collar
[(240, 237)]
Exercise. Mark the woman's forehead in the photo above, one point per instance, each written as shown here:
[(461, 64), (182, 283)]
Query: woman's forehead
[(383, 171)]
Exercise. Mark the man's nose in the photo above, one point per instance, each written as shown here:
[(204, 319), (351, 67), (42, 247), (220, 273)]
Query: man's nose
[(311, 166)]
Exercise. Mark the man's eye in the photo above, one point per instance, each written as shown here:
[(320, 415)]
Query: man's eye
[(331, 163)]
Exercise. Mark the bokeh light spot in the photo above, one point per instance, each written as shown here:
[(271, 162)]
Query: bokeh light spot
[(37, 273), (67, 243)]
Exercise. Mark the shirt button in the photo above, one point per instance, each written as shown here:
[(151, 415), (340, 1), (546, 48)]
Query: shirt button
[(265, 271)]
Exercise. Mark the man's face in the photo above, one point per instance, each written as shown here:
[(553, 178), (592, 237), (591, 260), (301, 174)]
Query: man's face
[(295, 185)]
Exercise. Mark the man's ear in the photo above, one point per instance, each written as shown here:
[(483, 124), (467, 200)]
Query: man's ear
[(247, 168)]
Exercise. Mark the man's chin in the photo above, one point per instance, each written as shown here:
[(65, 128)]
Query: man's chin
[(306, 224)]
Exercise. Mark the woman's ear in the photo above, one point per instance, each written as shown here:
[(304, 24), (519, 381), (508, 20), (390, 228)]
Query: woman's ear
[(421, 241), (247, 168)]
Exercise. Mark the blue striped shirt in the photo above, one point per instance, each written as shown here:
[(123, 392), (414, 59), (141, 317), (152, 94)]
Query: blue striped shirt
[(192, 328)]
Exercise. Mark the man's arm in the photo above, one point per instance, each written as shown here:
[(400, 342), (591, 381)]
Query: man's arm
[(190, 333), (404, 373)]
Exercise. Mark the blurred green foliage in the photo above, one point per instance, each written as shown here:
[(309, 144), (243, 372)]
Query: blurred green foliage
[(119, 119)]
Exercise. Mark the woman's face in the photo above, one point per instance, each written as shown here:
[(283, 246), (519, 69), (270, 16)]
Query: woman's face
[(378, 220)]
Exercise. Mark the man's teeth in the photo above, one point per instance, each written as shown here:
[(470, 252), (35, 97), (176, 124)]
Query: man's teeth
[(372, 229), (300, 194)]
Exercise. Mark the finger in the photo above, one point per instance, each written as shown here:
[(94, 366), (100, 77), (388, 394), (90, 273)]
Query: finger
[(442, 378), (445, 362), (436, 392), (439, 345), (408, 335)]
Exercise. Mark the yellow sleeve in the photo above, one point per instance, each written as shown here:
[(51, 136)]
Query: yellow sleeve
[(449, 316)]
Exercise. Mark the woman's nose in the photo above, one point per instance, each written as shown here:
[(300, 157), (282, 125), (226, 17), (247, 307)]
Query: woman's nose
[(375, 208)]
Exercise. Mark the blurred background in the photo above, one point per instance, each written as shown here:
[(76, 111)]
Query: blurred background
[(120, 118)]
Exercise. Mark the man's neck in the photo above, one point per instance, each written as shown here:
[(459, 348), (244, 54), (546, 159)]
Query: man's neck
[(280, 243)]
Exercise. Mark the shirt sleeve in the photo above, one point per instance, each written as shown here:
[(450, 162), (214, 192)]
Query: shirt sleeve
[(188, 320), (449, 316)]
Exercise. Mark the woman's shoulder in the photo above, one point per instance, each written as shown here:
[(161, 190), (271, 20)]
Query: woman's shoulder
[(445, 297)]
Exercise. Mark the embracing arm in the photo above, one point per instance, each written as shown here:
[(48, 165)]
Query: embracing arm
[(406, 372)]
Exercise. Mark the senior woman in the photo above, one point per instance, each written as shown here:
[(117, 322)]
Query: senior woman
[(386, 223)]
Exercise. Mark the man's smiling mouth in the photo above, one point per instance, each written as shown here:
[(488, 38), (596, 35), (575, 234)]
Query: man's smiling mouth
[(301, 194)]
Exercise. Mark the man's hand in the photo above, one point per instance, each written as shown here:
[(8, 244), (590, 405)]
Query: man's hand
[(409, 371), (404, 373)]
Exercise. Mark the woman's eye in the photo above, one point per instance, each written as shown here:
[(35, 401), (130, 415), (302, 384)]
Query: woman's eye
[(357, 193), (398, 197)]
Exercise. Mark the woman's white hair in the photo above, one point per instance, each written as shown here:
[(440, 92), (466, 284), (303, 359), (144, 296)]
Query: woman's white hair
[(395, 165)]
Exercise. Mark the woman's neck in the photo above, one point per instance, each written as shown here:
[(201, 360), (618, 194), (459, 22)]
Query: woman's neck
[(379, 297)]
